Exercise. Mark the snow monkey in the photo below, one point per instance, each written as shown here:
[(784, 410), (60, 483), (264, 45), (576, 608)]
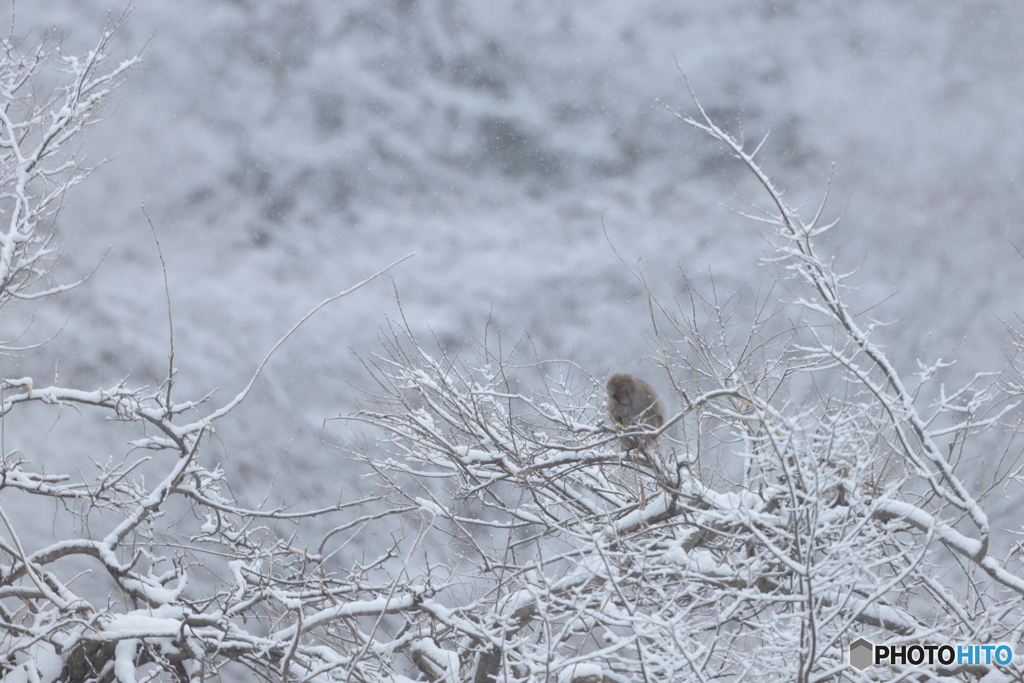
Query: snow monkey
[(633, 402)]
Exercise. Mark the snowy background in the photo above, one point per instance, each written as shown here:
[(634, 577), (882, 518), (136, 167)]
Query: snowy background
[(286, 149)]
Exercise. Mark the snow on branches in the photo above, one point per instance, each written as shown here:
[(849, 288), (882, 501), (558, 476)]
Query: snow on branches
[(800, 496), (39, 134)]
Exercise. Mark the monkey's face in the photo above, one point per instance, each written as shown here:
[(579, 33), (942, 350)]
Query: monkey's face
[(622, 396)]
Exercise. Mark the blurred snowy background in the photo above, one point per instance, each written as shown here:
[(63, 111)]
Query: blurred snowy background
[(286, 149)]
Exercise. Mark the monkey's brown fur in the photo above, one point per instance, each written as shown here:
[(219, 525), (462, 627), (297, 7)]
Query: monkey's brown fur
[(632, 402)]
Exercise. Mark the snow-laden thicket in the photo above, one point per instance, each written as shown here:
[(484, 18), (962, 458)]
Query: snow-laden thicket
[(803, 493), (282, 146)]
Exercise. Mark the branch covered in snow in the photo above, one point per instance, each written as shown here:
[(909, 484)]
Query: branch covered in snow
[(39, 134)]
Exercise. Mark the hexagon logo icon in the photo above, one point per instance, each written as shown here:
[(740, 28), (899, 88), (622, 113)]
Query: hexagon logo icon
[(861, 654)]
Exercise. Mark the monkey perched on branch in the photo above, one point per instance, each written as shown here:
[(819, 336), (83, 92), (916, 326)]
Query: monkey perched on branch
[(632, 402)]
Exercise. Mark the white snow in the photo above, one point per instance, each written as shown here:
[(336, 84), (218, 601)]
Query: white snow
[(285, 150), (282, 158)]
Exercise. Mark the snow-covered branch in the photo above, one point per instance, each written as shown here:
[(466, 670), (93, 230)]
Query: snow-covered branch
[(38, 140)]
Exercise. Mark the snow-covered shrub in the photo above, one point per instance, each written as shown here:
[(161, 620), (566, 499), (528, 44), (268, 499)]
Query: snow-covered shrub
[(801, 495)]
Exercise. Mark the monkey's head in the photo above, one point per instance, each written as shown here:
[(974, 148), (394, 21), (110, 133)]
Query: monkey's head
[(622, 396), (631, 400), (621, 387)]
